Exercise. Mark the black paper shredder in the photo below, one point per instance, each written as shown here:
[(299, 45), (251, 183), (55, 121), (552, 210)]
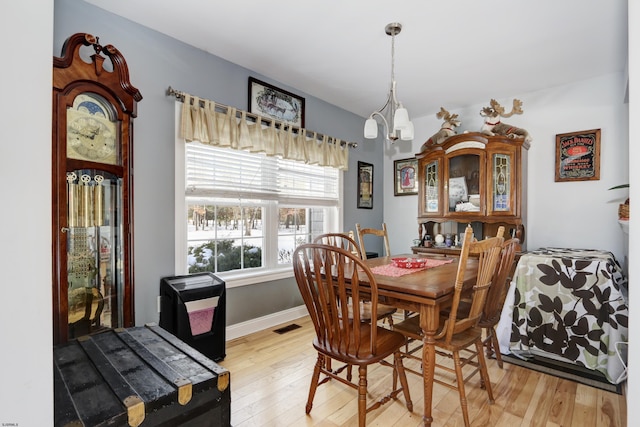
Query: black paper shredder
[(192, 307)]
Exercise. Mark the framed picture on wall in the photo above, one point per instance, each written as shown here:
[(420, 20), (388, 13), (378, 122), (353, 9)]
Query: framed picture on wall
[(269, 101), (404, 179), (578, 156), (365, 185)]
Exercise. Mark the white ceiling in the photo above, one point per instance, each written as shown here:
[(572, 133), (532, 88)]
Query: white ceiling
[(450, 53)]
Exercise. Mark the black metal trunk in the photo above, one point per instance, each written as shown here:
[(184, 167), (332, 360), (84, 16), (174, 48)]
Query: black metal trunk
[(138, 376)]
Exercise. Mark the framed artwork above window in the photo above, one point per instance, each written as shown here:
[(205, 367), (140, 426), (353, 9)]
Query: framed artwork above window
[(269, 101)]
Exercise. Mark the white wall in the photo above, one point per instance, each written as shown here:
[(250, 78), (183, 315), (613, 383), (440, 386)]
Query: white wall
[(633, 383), (26, 393), (565, 214)]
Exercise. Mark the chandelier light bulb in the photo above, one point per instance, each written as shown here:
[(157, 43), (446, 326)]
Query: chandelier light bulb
[(371, 128), (407, 134), (401, 119)]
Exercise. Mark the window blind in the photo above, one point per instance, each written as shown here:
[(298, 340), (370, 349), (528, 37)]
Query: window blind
[(212, 171)]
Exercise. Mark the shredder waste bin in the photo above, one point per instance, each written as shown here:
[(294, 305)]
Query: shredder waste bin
[(192, 307)]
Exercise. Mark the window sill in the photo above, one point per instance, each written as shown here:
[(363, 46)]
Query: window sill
[(236, 279)]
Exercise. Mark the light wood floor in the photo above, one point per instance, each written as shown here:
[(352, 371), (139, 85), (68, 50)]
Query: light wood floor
[(270, 376)]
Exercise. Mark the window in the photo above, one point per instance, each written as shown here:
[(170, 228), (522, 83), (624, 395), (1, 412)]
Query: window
[(243, 214)]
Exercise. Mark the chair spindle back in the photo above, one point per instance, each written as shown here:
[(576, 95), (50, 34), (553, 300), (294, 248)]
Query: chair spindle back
[(328, 277), (488, 252)]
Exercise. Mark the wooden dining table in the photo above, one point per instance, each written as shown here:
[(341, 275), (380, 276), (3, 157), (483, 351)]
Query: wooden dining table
[(426, 292)]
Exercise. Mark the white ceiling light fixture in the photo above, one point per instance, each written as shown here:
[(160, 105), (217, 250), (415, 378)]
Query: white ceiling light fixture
[(394, 116)]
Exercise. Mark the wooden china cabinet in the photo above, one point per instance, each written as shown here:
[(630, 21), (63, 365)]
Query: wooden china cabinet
[(92, 182), (474, 179)]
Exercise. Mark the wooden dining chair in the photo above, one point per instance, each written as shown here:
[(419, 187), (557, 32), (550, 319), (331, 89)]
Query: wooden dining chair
[(384, 312), (328, 276), (342, 240), (385, 239), (465, 303), (376, 232), (496, 297), (461, 332)]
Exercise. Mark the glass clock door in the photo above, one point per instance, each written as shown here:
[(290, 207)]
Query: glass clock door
[(94, 251)]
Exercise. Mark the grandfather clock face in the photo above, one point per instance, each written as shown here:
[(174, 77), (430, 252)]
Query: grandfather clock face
[(91, 132)]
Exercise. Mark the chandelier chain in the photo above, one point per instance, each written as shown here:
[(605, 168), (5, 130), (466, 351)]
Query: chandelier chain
[(393, 56)]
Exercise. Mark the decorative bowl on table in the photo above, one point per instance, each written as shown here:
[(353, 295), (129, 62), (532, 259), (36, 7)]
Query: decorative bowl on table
[(409, 262)]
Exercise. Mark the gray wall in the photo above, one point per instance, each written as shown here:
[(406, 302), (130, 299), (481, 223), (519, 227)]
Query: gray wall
[(156, 62)]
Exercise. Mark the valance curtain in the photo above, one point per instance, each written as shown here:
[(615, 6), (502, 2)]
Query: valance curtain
[(201, 122)]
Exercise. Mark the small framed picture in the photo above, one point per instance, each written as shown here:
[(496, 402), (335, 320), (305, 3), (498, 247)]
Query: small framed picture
[(404, 179), (365, 185), (269, 101), (578, 156)]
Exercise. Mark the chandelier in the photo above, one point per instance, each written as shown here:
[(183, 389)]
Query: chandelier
[(394, 116)]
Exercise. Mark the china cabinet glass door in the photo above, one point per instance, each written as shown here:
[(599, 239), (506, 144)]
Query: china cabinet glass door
[(432, 187), (465, 183), (502, 188)]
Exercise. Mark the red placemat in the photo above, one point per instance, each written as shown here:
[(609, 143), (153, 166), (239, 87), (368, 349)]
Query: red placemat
[(393, 271)]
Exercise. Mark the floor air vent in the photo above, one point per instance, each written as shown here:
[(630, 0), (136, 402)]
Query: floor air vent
[(287, 328)]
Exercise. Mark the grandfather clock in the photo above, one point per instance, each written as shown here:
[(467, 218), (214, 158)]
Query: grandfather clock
[(93, 109)]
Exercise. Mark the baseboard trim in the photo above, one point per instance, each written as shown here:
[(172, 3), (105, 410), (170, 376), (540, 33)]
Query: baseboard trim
[(254, 325)]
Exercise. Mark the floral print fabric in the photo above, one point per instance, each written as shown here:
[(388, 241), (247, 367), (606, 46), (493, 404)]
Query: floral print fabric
[(570, 304)]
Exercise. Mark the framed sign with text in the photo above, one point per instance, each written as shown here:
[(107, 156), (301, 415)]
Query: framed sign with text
[(578, 156), (365, 185)]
